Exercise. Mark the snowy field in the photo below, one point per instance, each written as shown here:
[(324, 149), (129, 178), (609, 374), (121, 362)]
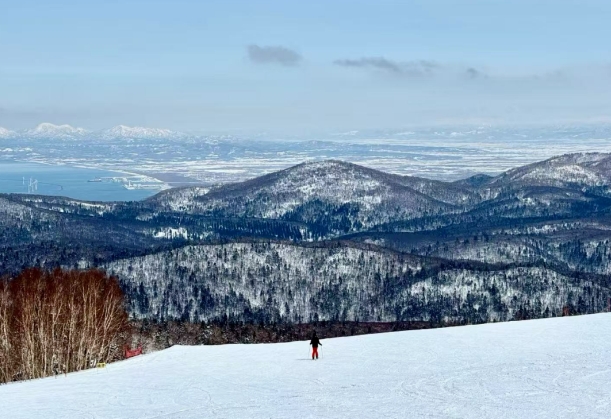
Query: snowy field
[(555, 368)]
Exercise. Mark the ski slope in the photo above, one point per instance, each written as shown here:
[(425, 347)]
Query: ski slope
[(554, 368)]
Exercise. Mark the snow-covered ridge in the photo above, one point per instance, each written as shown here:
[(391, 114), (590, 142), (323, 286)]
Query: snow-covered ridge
[(51, 131), (369, 197), (374, 196), (5, 133), (585, 169), (48, 130), (122, 131)]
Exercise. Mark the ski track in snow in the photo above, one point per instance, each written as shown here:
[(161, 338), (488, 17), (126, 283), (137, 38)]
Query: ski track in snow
[(554, 368)]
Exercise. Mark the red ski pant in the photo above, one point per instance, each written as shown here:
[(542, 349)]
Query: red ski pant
[(314, 352)]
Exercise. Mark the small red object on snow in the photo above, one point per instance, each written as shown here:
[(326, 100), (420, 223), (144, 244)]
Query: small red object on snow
[(133, 352)]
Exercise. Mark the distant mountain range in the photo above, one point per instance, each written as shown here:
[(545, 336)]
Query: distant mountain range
[(454, 135), (66, 132), (334, 240), (4, 133)]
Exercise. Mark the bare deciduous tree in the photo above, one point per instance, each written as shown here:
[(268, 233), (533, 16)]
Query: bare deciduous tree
[(59, 321)]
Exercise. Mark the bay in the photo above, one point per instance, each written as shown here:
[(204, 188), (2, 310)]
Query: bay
[(72, 182)]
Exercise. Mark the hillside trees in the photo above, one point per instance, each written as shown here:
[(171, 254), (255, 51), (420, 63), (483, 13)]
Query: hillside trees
[(282, 282), (59, 321)]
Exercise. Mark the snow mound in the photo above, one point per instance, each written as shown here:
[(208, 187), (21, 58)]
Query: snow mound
[(543, 368)]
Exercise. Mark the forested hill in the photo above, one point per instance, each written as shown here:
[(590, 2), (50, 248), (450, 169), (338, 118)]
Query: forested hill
[(527, 242), (272, 282)]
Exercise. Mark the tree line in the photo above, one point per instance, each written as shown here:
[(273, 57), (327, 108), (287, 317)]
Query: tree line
[(59, 321)]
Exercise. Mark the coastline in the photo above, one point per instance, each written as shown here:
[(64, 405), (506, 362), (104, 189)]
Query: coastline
[(142, 185), (148, 177)]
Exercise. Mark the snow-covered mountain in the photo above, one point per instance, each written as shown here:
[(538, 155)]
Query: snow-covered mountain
[(5, 133), (553, 368), (585, 170), (547, 246), (125, 132), (51, 131), (343, 193)]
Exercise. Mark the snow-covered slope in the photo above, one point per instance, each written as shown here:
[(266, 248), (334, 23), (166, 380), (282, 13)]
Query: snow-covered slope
[(588, 170), (351, 195), (5, 133), (48, 130), (555, 368), (269, 282)]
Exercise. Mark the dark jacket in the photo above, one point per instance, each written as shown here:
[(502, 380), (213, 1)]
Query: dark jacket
[(315, 342)]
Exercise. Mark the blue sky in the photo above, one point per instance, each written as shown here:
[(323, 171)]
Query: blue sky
[(297, 65)]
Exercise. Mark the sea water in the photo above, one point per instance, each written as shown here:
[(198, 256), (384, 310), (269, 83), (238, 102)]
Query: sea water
[(73, 182)]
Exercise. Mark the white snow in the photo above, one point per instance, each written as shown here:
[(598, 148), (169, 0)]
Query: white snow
[(554, 368), (4, 133), (566, 173), (171, 233), (49, 130)]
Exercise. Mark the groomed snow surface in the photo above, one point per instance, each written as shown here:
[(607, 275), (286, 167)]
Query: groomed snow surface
[(554, 368)]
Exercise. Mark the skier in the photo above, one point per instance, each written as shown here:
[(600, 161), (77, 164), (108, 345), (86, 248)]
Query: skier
[(315, 342)]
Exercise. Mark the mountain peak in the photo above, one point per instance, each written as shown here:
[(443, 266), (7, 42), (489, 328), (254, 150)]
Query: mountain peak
[(49, 129), (324, 164), (578, 158), (5, 133), (584, 169)]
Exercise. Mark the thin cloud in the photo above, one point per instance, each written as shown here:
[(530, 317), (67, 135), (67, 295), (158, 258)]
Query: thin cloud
[(273, 55), (473, 73), (410, 68)]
